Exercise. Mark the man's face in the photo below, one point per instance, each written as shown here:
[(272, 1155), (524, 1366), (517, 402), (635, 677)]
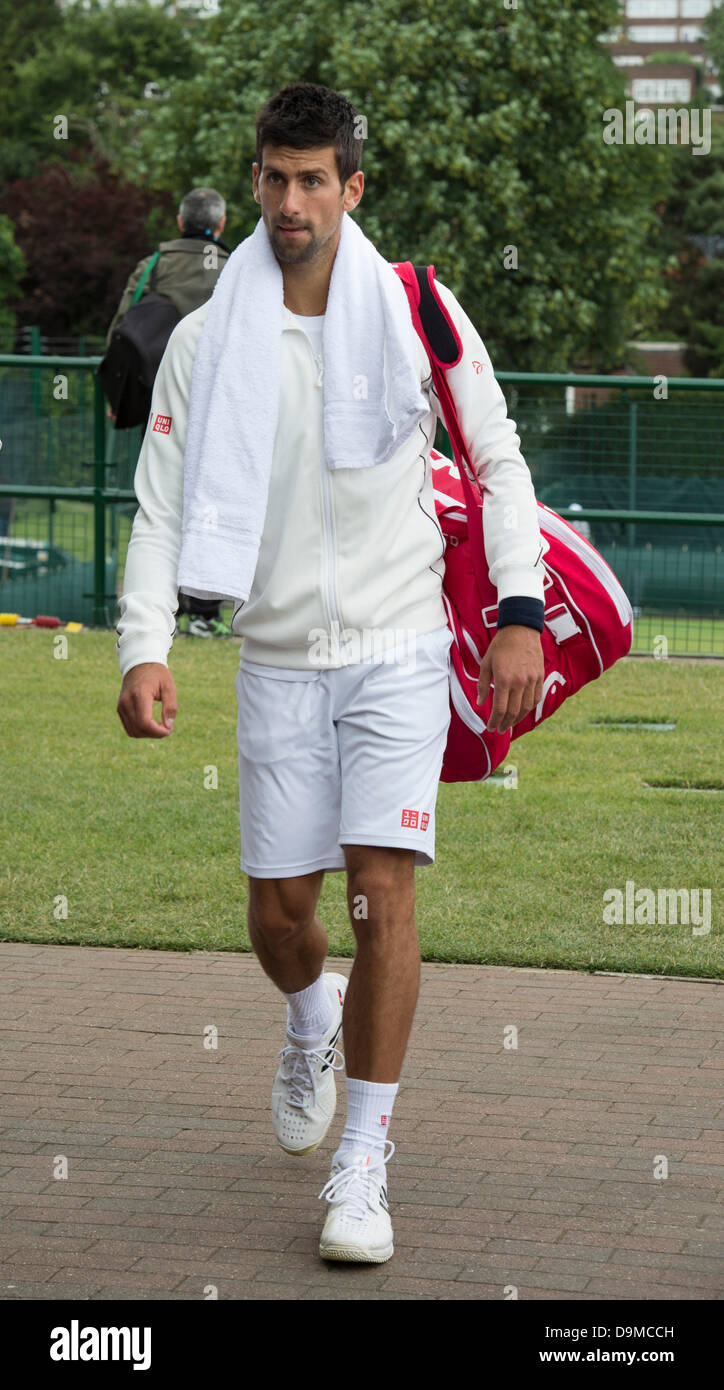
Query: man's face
[(299, 190)]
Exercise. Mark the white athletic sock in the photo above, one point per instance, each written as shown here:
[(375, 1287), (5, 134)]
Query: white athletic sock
[(369, 1111), (309, 1012)]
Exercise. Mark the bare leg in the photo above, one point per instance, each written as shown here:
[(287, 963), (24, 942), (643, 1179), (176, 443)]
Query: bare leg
[(384, 983), (285, 932)]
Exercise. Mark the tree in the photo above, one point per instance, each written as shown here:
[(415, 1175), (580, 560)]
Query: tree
[(24, 30), (12, 266), (713, 27), (104, 67), (693, 236), (484, 134), (702, 319), (82, 232)]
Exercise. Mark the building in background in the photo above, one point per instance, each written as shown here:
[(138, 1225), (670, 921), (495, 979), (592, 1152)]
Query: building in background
[(658, 28)]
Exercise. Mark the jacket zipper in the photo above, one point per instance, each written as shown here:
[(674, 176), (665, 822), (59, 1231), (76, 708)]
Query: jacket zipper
[(327, 521)]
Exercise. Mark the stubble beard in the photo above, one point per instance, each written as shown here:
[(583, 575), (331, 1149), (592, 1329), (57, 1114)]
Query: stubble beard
[(308, 249)]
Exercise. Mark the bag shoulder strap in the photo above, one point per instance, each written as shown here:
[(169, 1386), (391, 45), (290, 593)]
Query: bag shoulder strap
[(444, 348), (142, 282), (430, 315)]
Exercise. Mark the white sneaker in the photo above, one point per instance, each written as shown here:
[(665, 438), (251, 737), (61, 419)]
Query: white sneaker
[(358, 1225), (199, 627), (304, 1095)]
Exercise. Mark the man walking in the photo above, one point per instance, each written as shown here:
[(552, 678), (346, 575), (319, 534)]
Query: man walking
[(292, 474)]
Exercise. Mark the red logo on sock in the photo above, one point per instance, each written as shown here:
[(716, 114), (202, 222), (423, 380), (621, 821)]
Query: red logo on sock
[(384, 1119)]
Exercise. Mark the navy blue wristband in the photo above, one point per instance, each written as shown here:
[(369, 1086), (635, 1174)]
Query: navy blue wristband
[(526, 611)]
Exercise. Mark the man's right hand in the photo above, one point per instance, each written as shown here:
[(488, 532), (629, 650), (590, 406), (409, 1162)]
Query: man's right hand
[(142, 685)]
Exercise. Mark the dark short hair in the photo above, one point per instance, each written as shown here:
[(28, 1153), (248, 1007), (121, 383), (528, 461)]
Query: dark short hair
[(306, 115)]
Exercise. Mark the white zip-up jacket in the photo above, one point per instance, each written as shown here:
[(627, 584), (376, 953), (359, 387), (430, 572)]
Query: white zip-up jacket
[(357, 547)]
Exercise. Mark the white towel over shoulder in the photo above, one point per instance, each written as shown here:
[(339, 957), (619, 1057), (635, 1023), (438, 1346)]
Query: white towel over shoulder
[(372, 397)]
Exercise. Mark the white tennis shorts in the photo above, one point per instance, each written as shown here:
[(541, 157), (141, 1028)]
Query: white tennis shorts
[(349, 755)]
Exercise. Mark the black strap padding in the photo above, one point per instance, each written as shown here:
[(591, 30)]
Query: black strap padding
[(437, 329)]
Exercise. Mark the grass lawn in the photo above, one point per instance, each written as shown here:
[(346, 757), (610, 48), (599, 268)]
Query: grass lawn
[(145, 855), (699, 634)]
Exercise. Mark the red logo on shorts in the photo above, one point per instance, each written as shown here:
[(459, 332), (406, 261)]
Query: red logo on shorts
[(425, 820), (162, 423), (412, 819)]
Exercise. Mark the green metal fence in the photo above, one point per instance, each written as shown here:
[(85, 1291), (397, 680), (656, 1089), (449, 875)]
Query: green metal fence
[(639, 471)]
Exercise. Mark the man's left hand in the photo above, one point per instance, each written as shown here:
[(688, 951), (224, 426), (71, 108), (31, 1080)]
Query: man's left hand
[(514, 664)]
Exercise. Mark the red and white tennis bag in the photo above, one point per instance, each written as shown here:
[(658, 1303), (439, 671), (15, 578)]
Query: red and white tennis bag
[(588, 618)]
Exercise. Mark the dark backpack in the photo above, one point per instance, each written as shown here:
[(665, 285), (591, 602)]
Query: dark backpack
[(129, 368)]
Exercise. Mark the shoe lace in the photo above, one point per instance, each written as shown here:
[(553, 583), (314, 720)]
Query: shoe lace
[(297, 1067), (352, 1184)]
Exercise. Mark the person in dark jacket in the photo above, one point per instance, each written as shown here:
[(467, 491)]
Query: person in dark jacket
[(186, 273)]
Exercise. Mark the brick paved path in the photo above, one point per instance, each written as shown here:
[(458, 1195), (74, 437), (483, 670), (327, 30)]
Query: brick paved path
[(531, 1167)]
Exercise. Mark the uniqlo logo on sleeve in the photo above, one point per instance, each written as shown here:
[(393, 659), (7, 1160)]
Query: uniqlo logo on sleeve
[(162, 423), (409, 819)]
